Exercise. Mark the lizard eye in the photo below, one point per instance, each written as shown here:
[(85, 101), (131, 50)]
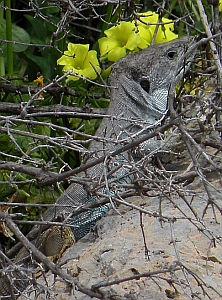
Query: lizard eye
[(171, 54), (145, 84)]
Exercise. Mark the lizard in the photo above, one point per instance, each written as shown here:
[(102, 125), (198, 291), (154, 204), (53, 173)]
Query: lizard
[(139, 86)]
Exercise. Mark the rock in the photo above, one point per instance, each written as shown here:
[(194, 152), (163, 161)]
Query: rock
[(184, 258)]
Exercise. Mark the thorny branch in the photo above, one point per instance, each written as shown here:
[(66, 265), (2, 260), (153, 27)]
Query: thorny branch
[(4, 217), (193, 165)]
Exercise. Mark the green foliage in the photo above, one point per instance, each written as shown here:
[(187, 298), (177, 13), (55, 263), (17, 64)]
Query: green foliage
[(19, 35), (41, 59)]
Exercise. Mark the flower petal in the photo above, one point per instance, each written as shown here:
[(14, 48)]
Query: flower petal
[(79, 53), (168, 36), (145, 34), (90, 63), (119, 38), (120, 31), (68, 68), (149, 17), (117, 53), (65, 59), (133, 41), (164, 32), (107, 44)]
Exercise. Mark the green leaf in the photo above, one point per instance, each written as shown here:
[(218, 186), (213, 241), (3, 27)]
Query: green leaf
[(18, 35), (38, 27)]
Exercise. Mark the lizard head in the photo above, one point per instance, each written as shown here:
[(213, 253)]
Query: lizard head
[(145, 77)]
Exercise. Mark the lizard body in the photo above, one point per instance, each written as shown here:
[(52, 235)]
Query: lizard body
[(139, 91)]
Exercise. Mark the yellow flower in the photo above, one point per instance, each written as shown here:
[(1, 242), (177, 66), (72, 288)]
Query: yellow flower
[(120, 40), (127, 37), (80, 60), (146, 32), (220, 5)]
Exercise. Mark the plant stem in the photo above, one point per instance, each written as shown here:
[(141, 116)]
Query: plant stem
[(9, 37), (2, 63)]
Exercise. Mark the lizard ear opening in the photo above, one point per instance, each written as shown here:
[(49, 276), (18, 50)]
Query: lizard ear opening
[(145, 84), (171, 54)]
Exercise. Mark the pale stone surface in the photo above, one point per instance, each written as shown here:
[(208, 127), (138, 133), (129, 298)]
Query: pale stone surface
[(119, 252)]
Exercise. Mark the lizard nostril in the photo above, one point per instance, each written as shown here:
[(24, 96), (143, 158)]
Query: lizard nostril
[(145, 84)]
